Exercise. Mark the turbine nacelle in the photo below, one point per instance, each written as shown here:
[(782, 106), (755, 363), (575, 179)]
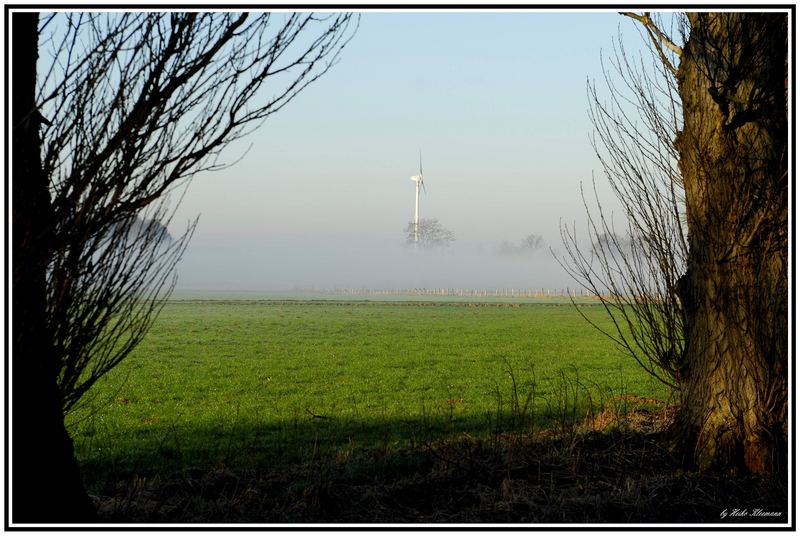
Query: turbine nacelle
[(418, 178)]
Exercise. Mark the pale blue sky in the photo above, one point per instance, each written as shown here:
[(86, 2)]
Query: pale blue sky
[(497, 103)]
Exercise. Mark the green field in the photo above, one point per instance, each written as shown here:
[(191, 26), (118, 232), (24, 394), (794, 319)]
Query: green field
[(248, 384)]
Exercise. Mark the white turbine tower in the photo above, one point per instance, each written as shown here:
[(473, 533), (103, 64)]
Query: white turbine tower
[(419, 182)]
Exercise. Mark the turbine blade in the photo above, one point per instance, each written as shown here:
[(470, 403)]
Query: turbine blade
[(420, 162)]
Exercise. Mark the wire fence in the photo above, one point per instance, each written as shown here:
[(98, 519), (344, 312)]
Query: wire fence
[(510, 292)]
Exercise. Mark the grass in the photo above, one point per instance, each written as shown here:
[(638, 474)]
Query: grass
[(251, 384)]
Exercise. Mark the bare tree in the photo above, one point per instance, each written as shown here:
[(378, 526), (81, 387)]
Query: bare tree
[(429, 235), (722, 286), (528, 244), (125, 109), (634, 271), (532, 242), (159, 231), (122, 282)]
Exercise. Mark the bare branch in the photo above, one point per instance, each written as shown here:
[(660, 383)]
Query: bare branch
[(138, 103), (658, 38), (634, 270), (428, 234), (655, 30)]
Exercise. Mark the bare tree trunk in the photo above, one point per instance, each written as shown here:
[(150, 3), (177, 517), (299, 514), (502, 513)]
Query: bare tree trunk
[(45, 481), (733, 157)]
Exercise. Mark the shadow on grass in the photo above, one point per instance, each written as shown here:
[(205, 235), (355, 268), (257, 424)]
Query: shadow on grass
[(304, 437), (315, 470)]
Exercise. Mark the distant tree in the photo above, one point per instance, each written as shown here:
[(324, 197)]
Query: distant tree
[(429, 235), (157, 229), (528, 244), (611, 243), (124, 110), (533, 242)]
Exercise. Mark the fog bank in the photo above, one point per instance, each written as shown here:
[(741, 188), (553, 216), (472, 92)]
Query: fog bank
[(280, 264)]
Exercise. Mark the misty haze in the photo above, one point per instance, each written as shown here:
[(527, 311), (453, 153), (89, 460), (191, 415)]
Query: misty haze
[(273, 264)]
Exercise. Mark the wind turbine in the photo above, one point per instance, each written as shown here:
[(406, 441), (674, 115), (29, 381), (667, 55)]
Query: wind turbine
[(418, 181)]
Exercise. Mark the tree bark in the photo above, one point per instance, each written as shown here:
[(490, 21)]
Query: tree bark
[(45, 482), (733, 158)]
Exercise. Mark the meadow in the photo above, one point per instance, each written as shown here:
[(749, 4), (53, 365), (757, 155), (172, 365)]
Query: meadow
[(251, 384)]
